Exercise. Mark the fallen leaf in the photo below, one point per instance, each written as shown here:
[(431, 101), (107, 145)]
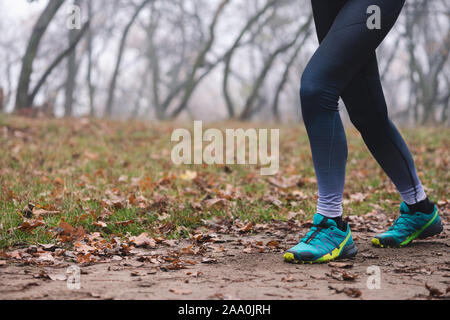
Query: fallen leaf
[(433, 292), (351, 292), (46, 257), (124, 223), (273, 244), (188, 175), (57, 277), (143, 240), (342, 265), (289, 278), (44, 213), (181, 291), (100, 224), (247, 227), (28, 210), (30, 225), (209, 260)]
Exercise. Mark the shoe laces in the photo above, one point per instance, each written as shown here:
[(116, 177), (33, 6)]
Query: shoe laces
[(316, 229), (402, 222)]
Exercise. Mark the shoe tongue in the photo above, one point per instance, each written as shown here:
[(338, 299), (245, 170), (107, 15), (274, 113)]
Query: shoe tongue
[(323, 221), (404, 208)]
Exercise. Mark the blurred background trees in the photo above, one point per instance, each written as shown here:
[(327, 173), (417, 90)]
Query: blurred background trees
[(203, 59)]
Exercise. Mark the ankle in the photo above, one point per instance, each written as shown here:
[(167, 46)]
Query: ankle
[(340, 223), (424, 206)]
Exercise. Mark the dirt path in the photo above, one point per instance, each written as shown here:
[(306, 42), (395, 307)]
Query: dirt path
[(232, 272)]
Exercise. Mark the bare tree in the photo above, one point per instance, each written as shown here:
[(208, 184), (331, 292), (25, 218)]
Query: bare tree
[(193, 81), (424, 71), (72, 46), (249, 109), (113, 82), (71, 71), (2, 95), (90, 38), (284, 78), (231, 51), (22, 98)]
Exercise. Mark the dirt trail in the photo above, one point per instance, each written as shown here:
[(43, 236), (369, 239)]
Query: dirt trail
[(239, 275)]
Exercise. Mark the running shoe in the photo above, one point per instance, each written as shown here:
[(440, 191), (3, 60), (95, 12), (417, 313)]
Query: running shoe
[(324, 242), (409, 226)]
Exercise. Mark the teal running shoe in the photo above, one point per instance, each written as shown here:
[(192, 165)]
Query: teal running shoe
[(324, 242), (409, 226)]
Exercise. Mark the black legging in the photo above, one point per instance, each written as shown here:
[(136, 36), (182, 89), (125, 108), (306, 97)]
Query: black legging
[(345, 65)]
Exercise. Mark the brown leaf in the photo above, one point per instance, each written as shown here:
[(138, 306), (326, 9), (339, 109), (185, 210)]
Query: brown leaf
[(273, 244), (83, 247), (247, 227), (100, 224), (209, 260), (58, 181), (188, 175), (28, 210), (433, 292), (285, 183), (46, 257), (187, 251), (181, 291), (289, 278), (44, 213), (215, 203), (57, 277), (351, 292), (70, 232), (143, 240), (85, 258), (342, 265), (342, 275), (16, 254), (28, 226), (124, 223)]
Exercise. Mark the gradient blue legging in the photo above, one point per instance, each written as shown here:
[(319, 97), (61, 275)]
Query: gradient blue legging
[(345, 65)]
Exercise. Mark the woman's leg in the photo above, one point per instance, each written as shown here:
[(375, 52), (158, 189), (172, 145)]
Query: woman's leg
[(366, 105), (345, 50)]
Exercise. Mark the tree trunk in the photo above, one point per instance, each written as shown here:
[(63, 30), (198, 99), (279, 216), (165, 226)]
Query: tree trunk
[(22, 97), (192, 82), (248, 109), (1, 100), (57, 61), (71, 73), (91, 87), (153, 59), (113, 82), (229, 56), (284, 78)]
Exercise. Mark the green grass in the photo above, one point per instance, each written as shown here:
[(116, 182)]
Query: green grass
[(89, 157)]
